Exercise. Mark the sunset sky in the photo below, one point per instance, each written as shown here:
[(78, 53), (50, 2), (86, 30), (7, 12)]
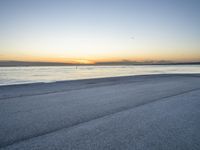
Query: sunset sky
[(88, 31)]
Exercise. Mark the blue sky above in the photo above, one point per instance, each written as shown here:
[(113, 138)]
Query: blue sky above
[(94, 29)]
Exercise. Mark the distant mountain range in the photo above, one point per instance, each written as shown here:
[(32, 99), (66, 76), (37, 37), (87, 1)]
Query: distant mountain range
[(125, 62), (162, 62), (27, 63)]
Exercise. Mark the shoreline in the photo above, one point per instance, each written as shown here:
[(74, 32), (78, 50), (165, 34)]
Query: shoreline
[(28, 89), (100, 78)]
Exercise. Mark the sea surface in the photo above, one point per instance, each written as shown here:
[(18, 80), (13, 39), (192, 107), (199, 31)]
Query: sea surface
[(21, 75)]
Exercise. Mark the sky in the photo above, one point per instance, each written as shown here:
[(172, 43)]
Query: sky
[(89, 31)]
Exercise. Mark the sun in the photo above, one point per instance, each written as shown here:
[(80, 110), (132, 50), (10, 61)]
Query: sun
[(84, 61)]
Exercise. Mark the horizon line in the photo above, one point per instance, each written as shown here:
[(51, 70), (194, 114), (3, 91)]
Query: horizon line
[(8, 63)]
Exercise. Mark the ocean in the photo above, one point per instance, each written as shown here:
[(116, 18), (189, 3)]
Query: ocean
[(22, 75)]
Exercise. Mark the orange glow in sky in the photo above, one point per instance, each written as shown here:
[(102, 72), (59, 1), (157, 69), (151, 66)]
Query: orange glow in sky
[(76, 31)]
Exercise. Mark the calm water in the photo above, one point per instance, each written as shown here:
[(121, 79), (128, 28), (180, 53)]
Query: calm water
[(18, 75)]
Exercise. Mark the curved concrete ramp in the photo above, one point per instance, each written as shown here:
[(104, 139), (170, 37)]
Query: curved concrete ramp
[(141, 112)]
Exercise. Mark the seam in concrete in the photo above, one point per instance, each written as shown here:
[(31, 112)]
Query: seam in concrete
[(67, 90)]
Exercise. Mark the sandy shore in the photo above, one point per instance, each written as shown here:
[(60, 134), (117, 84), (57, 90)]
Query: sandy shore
[(139, 112)]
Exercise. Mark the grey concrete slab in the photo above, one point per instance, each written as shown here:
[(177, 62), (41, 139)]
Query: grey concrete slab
[(74, 118)]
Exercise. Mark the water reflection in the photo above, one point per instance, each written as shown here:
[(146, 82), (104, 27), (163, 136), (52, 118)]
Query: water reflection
[(17, 75)]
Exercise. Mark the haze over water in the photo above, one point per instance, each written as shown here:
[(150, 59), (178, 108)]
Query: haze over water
[(20, 75)]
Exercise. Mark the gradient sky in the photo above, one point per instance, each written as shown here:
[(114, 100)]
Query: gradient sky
[(99, 30)]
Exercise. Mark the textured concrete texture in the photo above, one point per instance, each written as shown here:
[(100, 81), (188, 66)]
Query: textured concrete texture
[(139, 112)]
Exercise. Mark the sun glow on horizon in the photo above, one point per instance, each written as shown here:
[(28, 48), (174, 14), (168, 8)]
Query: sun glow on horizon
[(86, 32)]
